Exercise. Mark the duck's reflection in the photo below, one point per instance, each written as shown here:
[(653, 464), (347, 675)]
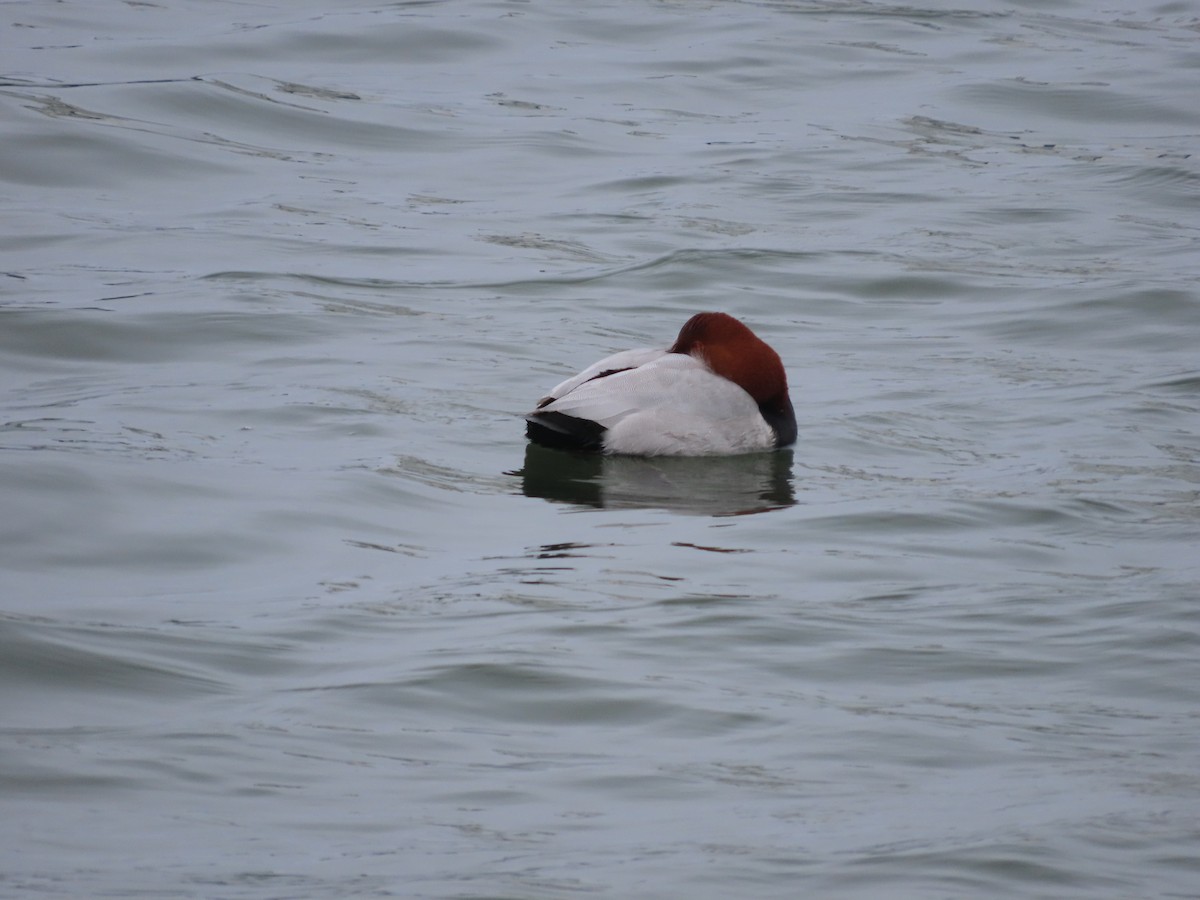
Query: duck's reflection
[(707, 485)]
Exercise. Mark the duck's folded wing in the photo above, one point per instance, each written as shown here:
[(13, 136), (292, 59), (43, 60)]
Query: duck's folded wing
[(676, 384), (618, 362)]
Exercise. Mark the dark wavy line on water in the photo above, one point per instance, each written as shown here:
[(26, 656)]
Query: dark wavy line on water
[(1186, 383), (65, 658), (286, 86), (49, 85), (874, 10), (669, 259)]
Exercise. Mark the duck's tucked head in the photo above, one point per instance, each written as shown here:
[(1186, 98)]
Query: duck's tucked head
[(735, 352)]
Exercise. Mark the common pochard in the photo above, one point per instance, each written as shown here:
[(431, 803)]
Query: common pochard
[(719, 389)]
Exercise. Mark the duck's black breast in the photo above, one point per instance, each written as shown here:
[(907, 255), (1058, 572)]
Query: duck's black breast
[(782, 419)]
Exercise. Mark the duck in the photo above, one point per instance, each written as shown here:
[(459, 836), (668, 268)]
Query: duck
[(718, 390)]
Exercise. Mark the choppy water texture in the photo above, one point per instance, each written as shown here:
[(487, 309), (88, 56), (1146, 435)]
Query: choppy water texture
[(290, 610)]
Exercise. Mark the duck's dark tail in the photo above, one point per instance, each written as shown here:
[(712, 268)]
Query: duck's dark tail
[(555, 429)]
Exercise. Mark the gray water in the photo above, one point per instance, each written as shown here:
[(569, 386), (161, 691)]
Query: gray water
[(289, 610)]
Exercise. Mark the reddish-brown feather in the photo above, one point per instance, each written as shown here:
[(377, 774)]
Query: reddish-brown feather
[(735, 352)]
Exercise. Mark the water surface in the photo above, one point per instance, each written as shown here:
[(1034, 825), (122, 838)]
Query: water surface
[(289, 609)]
